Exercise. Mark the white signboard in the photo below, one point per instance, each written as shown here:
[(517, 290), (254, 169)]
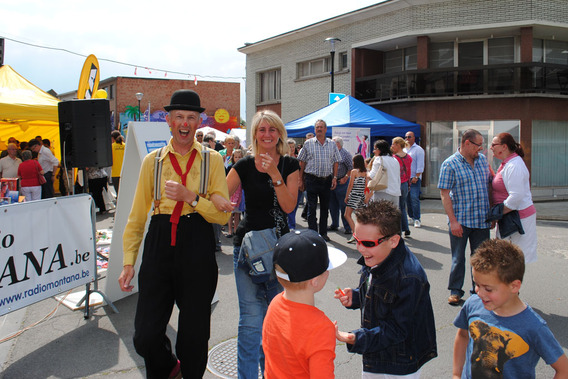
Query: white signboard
[(142, 138), (355, 140), (46, 248)]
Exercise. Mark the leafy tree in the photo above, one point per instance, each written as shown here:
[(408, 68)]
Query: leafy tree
[(132, 112)]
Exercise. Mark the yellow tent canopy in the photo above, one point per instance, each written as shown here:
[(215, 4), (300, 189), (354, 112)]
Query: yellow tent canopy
[(26, 111)]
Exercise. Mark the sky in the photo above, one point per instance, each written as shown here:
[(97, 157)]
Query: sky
[(196, 38)]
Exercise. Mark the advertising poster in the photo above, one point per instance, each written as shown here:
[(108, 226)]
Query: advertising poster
[(355, 140), (46, 248)]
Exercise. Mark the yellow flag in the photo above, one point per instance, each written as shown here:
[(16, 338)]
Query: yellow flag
[(90, 77)]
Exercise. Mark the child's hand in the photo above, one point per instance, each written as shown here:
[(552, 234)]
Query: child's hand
[(343, 336), (221, 203), (345, 296)]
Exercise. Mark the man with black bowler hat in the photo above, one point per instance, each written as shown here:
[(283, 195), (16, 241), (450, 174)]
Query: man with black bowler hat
[(178, 262)]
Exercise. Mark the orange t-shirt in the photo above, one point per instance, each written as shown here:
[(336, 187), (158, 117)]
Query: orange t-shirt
[(298, 341)]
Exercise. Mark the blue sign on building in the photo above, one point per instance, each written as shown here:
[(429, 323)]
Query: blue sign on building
[(333, 97)]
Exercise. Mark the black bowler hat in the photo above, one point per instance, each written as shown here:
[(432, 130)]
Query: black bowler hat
[(186, 100)]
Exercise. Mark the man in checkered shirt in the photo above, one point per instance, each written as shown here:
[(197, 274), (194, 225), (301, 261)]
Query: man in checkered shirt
[(318, 175), (463, 184)]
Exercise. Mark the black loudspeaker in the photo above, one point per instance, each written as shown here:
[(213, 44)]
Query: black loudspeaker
[(84, 130)]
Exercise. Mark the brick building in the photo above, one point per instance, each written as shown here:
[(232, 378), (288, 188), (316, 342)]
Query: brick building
[(448, 65), (215, 96)]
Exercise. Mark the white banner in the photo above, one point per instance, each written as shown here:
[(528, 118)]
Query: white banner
[(46, 248), (142, 138), (355, 140)]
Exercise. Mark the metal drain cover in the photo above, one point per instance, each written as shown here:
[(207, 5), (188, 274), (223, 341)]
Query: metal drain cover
[(222, 360)]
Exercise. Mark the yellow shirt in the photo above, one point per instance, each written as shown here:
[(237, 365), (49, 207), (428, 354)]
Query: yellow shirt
[(144, 196), (117, 158)]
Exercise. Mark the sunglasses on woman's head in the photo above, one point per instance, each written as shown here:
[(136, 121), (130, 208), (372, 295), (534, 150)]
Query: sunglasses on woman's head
[(370, 243)]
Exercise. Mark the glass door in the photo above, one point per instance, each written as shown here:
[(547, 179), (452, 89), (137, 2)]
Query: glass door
[(445, 139)]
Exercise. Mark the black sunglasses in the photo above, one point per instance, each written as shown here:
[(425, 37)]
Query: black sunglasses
[(368, 243), (476, 144)]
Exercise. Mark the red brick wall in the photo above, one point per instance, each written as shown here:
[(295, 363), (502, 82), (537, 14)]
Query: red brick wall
[(422, 52), (526, 44), (214, 95)]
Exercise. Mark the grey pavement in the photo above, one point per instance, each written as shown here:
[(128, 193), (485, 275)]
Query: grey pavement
[(65, 345)]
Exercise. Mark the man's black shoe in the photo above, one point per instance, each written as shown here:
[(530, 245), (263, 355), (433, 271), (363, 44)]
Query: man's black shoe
[(326, 238), (332, 228)]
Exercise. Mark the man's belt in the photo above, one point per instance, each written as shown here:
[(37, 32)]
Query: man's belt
[(320, 178)]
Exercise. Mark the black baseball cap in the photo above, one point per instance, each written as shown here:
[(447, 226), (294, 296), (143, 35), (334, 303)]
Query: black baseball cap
[(304, 254)]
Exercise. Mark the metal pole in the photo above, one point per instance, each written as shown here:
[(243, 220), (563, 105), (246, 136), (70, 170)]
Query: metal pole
[(332, 69)]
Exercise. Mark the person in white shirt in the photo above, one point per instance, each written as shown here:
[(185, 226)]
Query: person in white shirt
[(49, 166), (511, 187), (9, 164), (416, 170), (383, 156)]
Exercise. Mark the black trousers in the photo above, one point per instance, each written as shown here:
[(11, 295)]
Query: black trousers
[(185, 275), (96, 188), (47, 190), (318, 187)]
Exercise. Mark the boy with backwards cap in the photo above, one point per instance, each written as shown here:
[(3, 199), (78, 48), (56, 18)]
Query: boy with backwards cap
[(298, 339)]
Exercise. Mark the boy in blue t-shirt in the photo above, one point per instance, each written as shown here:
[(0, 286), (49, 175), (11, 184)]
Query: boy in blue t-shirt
[(506, 337)]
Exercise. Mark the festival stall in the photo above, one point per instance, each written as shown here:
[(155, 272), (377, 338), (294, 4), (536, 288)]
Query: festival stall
[(26, 111), (352, 113)]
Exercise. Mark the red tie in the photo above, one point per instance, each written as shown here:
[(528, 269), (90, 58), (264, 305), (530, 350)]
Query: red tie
[(174, 218)]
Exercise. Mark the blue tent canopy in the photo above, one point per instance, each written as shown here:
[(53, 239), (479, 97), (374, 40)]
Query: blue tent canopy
[(350, 112)]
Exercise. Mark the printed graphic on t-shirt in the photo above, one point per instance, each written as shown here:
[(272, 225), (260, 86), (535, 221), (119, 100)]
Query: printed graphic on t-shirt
[(492, 348)]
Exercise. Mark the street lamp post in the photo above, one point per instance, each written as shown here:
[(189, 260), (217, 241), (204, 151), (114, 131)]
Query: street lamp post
[(332, 41), (139, 96)]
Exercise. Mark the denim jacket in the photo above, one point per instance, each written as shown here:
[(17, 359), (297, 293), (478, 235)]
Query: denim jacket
[(398, 334)]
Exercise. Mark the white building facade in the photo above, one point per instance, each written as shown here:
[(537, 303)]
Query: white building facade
[(449, 65)]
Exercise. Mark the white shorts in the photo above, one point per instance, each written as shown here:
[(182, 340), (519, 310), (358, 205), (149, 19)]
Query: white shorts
[(31, 193), (370, 375), (527, 241)]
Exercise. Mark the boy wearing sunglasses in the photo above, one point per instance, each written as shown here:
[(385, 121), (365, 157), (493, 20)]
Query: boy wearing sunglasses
[(397, 335)]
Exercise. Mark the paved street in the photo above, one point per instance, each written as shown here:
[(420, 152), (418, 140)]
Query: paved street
[(68, 346)]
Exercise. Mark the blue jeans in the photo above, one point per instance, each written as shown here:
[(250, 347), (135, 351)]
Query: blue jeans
[(457, 245), (292, 215), (253, 303), (337, 205), (402, 206), (414, 200)]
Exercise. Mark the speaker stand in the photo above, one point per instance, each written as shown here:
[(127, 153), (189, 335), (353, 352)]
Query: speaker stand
[(88, 290)]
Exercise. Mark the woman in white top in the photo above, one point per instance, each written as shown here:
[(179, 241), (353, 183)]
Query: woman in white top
[(511, 186), (384, 157)]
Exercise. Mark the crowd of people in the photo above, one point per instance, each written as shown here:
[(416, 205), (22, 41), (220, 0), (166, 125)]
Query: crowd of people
[(280, 331), (195, 186), (40, 173), (34, 164)]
